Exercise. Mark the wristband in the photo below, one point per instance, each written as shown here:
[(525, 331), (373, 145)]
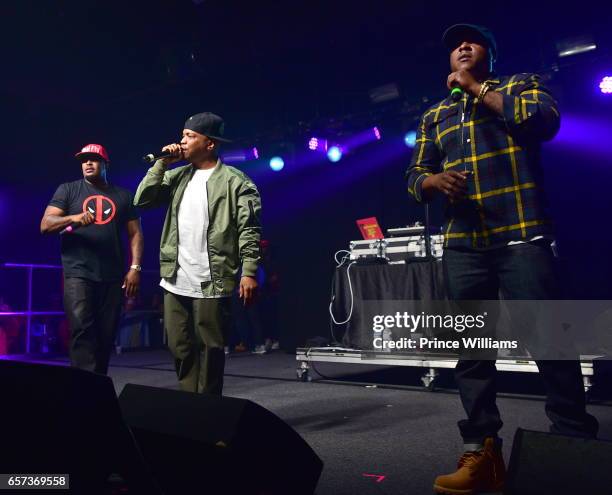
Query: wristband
[(138, 268)]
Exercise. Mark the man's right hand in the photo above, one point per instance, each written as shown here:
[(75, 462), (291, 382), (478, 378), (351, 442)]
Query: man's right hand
[(451, 183), (83, 219), (177, 154)]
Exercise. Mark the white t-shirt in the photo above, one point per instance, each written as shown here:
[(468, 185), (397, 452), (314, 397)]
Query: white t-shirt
[(193, 220)]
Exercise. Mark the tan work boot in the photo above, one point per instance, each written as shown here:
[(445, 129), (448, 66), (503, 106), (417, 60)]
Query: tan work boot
[(477, 472)]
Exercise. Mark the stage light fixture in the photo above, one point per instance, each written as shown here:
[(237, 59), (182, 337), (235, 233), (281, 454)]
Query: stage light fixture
[(377, 133), (575, 46), (277, 163), (334, 154), (410, 139), (605, 85), (317, 144), (384, 93)]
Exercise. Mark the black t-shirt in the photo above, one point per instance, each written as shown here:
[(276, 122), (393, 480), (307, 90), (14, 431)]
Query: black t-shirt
[(95, 252)]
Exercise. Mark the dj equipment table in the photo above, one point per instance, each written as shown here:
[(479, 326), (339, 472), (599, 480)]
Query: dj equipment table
[(357, 285)]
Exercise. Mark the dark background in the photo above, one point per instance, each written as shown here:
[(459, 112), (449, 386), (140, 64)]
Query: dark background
[(128, 74)]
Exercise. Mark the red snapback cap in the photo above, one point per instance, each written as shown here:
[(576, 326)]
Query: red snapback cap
[(93, 149)]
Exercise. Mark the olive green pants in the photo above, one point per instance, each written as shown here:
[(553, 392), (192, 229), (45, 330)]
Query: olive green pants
[(197, 331)]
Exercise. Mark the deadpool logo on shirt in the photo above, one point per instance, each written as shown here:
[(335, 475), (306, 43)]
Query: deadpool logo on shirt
[(101, 207)]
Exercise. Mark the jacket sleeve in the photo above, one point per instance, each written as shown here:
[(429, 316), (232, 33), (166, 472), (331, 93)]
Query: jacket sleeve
[(154, 189), (426, 159), (529, 110), (249, 227)]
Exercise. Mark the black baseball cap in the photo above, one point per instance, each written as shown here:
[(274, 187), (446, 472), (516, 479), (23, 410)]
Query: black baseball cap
[(208, 124), (458, 33)]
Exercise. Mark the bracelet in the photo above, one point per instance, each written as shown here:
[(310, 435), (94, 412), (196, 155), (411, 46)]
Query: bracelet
[(484, 88), (138, 268)]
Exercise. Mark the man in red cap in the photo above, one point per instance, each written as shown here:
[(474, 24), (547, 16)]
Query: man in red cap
[(210, 235), (91, 214), (480, 149)]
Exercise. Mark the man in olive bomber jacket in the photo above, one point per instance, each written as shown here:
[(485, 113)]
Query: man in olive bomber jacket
[(211, 233)]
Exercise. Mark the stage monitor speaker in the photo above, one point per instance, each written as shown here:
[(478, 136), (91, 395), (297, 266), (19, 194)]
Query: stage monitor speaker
[(199, 443), (61, 420), (544, 463)]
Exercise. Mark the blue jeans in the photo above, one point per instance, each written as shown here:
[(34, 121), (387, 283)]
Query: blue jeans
[(522, 271)]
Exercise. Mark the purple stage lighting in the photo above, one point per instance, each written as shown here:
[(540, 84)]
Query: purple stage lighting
[(239, 156), (317, 144), (606, 85), (587, 133), (362, 138)]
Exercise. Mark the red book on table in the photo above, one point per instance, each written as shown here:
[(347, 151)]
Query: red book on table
[(369, 228)]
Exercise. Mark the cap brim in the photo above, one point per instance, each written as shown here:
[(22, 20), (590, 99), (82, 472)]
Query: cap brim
[(454, 35), (210, 136), (80, 155)]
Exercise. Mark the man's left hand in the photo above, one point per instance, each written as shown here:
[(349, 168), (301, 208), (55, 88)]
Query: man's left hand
[(465, 80), (248, 289), (131, 283)]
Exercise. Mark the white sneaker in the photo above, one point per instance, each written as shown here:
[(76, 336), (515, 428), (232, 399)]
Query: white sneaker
[(260, 349), (275, 345), (226, 349)]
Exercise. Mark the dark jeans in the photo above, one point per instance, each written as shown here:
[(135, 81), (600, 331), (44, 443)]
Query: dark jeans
[(197, 331), (523, 271), (93, 310)]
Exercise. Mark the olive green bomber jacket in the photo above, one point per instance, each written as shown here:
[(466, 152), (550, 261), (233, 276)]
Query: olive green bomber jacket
[(234, 230)]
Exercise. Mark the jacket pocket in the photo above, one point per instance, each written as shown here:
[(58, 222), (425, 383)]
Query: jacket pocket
[(446, 116), (166, 254), (440, 126)]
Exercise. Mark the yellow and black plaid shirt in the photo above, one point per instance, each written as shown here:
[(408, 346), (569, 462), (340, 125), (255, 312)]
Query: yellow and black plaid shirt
[(505, 200)]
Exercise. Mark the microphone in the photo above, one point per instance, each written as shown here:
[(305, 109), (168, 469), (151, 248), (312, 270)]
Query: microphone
[(456, 93), (153, 157), (71, 228), (75, 225)]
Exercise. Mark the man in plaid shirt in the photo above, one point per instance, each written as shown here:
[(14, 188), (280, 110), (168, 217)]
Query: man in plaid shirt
[(480, 147)]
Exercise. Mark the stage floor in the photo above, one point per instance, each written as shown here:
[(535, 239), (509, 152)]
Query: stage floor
[(394, 429)]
